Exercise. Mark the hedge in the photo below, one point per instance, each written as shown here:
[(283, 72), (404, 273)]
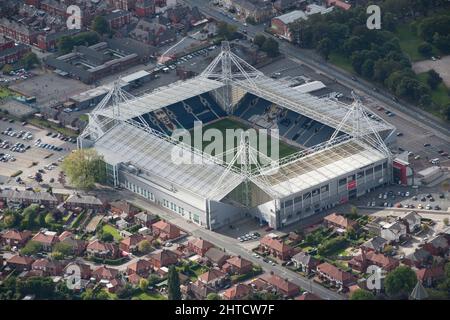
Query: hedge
[(17, 173)]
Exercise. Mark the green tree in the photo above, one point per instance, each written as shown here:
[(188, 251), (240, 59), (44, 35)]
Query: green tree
[(41, 287), (226, 30), (143, 285), (259, 40), (100, 25), (361, 294), (324, 47), (271, 47), (31, 248), (213, 296), (102, 295), (88, 294), (64, 248), (84, 167), (29, 60), (173, 283), (400, 282), (433, 79), (446, 221), (107, 237), (125, 292), (144, 246), (425, 49), (7, 68)]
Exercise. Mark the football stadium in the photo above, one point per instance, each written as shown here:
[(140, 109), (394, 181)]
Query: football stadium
[(328, 152)]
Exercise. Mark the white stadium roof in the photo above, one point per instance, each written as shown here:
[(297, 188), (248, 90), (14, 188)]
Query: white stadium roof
[(126, 143), (162, 97)]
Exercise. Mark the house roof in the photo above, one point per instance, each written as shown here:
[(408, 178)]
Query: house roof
[(211, 275), (139, 265), (215, 255), (123, 206), (239, 262), (304, 258), (280, 283), (104, 272), (66, 234), (145, 216), (201, 244), (18, 259), (420, 255), (27, 195), (98, 245), (275, 244), (439, 241), (44, 263), (376, 243), (238, 291), (334, 272), (164, 256), (433, 273), (16, 235), (340, 220), (132, 240), (45, 238), (165, 226), (339, 4), (308, 296), (83, 199)]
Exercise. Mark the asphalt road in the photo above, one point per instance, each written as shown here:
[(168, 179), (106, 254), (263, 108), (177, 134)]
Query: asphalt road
[(438, 126)]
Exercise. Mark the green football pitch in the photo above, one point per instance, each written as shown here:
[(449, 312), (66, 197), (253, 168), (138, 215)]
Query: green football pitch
[(227, 123)]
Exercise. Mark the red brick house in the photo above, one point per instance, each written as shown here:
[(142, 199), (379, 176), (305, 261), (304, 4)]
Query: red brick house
[(18, 31), (365, 259), (237, 292), (335, 276), (101, 249), (237, 265), (14, 238), (144, 8), (282, 286), (214, 278), (163, 258), (118, 18), (141, 267), (199, 246), (85, 270), (14, 54), (130, 244), (165, 230), (429, 276), (335, 220), (276, 248), (48, 267), (105, 273), (339, 4), (123, 207), (438, 245), (20, 263), (46, 239), (308, 296)]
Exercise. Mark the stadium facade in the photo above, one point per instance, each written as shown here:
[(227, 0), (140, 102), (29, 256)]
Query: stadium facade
[(341, 155)]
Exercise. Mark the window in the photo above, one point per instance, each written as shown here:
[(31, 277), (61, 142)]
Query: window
[(378, 168), (351, 178), (298, 199), (369, 172), (360, 175), (325, 188), (288, 203), (315, 192), (307, 196)]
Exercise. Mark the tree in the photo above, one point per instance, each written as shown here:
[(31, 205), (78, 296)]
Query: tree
[(84, 167), (425, 49), (433, 79), (271, 47), (259, 40), (64, 248), (144, 246), (324, 48), (143, 285), (446, 221), (41, 287), (29, 60), (213, 296), (102, 295), (88, 294), (361, 294), (7, 68), (125, 292), (100, 25), (173, 283), (400, 282), (226, 30), (107, 237), (31, 248)]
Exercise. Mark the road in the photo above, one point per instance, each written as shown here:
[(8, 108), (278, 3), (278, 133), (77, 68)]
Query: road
[(438, 126), (232, 246)]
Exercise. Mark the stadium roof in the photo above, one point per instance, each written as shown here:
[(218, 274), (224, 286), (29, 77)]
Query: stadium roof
[(162, 97), (320, 167), (126, 143)]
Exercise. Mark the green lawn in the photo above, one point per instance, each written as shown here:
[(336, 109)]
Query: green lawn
[(341, 61), (149, 296), (110, 229), (5, 93), (228, 123), (410, 41)]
